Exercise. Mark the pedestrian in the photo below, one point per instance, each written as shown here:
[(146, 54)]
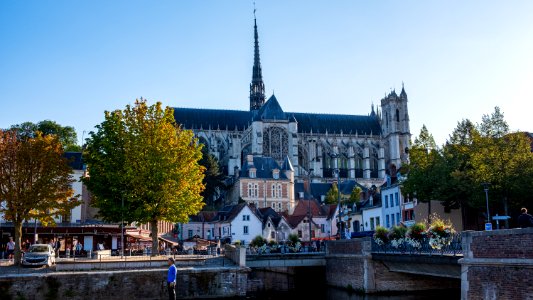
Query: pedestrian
[(525, 220), (171, 279), (10, 248)]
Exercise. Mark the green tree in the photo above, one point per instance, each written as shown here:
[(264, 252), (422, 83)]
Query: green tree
[(66, 134), (332, 195), (355, 196), (35, 180), (504, 160), (213, 179), (424, 170), (139, 155)]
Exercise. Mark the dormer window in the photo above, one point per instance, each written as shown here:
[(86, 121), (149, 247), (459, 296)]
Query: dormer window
[(275, 174), (252, 173)]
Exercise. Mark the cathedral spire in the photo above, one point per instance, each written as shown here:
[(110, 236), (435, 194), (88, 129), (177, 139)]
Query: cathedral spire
[(257, 87)]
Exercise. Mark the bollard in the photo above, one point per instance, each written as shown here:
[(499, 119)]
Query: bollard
[(67, 253), (89, 254)]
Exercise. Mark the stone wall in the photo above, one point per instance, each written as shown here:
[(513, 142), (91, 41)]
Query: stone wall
[(139, 284), (497, 264), (350, 265)]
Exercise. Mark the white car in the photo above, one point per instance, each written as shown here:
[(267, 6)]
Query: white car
[(39, 255)]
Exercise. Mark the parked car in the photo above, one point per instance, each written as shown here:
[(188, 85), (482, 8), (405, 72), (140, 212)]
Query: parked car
[(39, 255)]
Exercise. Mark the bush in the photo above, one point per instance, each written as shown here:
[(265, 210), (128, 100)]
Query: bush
[(381, 235), (258, 241), (294, 239), (237, 243), (397, 233), (416, 234), (272, 243)]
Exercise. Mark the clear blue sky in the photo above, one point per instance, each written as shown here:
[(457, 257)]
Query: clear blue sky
[(69, 61)]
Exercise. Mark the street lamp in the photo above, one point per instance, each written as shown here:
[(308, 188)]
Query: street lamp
[(309, 215), (486, 189), (335, 156)]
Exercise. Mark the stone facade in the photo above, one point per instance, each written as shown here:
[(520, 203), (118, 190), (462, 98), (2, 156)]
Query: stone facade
[(497, 264)]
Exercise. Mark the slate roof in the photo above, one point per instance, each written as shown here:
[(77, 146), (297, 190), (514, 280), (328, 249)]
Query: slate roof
[(268, 212), (203, 216), (319, 188), (196, 118), (263, 166), (74, 159)]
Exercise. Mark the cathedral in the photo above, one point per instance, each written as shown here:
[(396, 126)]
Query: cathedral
[(362, 148)]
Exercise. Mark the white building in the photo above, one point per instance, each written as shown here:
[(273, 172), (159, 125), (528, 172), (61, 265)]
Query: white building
[(391, 204), (372, 215)]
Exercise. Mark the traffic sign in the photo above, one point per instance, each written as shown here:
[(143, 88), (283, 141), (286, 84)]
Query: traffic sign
[(488, 226), (500, 217)]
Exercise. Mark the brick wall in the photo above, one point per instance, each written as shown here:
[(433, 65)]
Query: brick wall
[(140, 284), (497, 264)]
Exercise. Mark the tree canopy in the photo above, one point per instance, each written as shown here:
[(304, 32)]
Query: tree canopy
[(473, 155), (213, 179), (66, 134), (35, 180), (140, 156), (332, 195)]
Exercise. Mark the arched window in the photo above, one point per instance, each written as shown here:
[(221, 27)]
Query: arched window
[(279, 190), (397, 115), (273, 193), (276, 143)]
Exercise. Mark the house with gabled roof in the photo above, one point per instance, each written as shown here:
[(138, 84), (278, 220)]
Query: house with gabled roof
[(275, 226)]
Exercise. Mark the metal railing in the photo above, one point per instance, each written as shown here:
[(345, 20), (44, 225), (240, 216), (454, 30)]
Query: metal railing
[(277, 250), (454, 248)]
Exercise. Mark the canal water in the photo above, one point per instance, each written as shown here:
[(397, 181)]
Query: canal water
[(329, 293)]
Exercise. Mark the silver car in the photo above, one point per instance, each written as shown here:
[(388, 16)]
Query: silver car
[(39, 255)]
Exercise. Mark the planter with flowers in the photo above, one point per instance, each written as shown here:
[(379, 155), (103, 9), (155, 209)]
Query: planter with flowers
[(440, 233), (397, 236), (381, 236), (415, 235)]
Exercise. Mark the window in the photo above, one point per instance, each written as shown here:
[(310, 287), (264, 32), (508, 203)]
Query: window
[(272, 234), (279, 206), (386, 201), (377, 221), (252, 173), (398, 218), (391, 201), (245, 229), (393, 222), (322, 228), (299, 233), (387, 221), (253, 190), (396, 199), (276, 190), (397, 115), (246, 217), (372, 226), (275, 174), (190, 233), (274, 205)]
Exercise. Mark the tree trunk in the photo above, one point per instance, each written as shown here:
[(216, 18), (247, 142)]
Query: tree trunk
[(506, 210), (18, 238), (155, 241)]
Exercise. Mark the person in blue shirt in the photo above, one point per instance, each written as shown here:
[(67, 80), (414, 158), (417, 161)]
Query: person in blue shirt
[(171, 279)]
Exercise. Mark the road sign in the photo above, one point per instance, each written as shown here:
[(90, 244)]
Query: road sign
[(488, 226), (500, 217)]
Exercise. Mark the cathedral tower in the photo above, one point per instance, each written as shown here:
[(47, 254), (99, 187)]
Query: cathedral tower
[(257, 87), (395, 129)]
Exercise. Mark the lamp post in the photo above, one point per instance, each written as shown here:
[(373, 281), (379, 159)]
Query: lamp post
[(486, 189), (122, 229), (335, 156), (309, 215)]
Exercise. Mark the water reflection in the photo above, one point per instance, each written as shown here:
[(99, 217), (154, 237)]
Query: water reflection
[(330, 293)]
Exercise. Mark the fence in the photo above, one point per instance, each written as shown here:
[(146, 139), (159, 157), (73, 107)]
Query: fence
[(403, 246)]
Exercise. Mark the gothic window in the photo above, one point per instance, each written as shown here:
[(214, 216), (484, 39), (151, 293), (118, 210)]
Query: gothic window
[(397, 115), (276, 143)]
